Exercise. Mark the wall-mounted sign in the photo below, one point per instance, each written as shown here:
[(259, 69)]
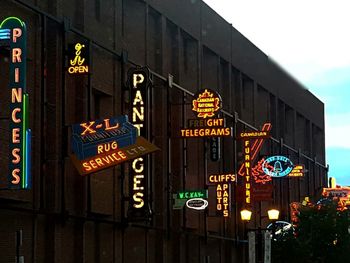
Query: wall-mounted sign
[(252, 143), (256, 145), (254, 135), (247, 173), (97, 137), (277, 166), (189, 194), (13, 35), (258, 174), (197, 203), (138, 83), (215, 149), (181, 197), (115, 157), (78, 58), (298, 171), (206, 105), (222, 183), (342, 194)]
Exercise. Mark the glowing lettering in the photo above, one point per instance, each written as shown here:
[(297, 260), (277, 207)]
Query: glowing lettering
[(15, 154), (13, 115), (16, 55), (16, 95), (137, 79), (16, 33), (16, 176), (106, 147)]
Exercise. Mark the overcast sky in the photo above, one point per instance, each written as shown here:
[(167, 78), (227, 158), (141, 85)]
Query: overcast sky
[(311, 40)]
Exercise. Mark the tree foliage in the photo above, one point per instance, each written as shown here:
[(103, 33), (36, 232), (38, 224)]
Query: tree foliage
[(321, 236)]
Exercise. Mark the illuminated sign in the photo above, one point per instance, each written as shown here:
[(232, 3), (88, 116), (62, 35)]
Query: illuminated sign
[(207, 104), (115, 157), (197, 203), (13, 34), (277, 166), (138, 83), (341, 192), (97, 137), (207, 132), (254, 135), (298, 171), (256, 146), (222, 183), (258, 174), (221, 178), (247, 176), (78, 58), (188, 194)]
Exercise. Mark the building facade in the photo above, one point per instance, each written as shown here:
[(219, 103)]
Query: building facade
[(187, 47)]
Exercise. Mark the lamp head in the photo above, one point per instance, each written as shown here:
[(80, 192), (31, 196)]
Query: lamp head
[(246, 215), (273, 214)]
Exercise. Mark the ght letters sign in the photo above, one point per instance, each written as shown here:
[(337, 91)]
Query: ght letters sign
[(138, 83), (13, 35)]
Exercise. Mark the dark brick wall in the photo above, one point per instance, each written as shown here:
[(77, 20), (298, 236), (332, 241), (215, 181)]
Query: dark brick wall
[(69, 218)]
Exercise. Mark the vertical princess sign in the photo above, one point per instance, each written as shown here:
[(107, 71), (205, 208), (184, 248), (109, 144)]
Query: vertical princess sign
[(13, 35)]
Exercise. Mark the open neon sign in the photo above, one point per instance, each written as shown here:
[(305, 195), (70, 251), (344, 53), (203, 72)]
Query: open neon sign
[(78, 58), (13, 34)]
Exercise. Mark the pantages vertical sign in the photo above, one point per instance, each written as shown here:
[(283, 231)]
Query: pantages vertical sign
[(138, 82), (13, 35)]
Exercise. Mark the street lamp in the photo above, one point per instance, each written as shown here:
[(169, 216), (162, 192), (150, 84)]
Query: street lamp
[(273, 214), (246, 215)]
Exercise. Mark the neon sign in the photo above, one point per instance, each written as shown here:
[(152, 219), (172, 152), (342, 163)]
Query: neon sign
[(258, 174), (223, 192), (298, 171), (197, 203), (138, 82), (115, 157), (189, 194), (256, 145), (78, 58), (247, 176), (13, 34), (277, 166), (96, 137), (207, 104)]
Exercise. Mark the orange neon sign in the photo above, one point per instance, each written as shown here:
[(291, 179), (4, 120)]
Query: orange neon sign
[(256, 146), (207, 104), (247, 166), (78, 61)]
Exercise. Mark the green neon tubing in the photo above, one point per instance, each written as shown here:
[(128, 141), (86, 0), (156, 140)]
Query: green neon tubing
[(24, 150), (14, 18)]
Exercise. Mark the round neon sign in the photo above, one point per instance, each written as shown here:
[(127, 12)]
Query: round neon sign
[(277, 166), (197, 203)]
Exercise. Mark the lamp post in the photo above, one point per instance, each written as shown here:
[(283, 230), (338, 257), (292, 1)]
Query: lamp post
[(273, 215)]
